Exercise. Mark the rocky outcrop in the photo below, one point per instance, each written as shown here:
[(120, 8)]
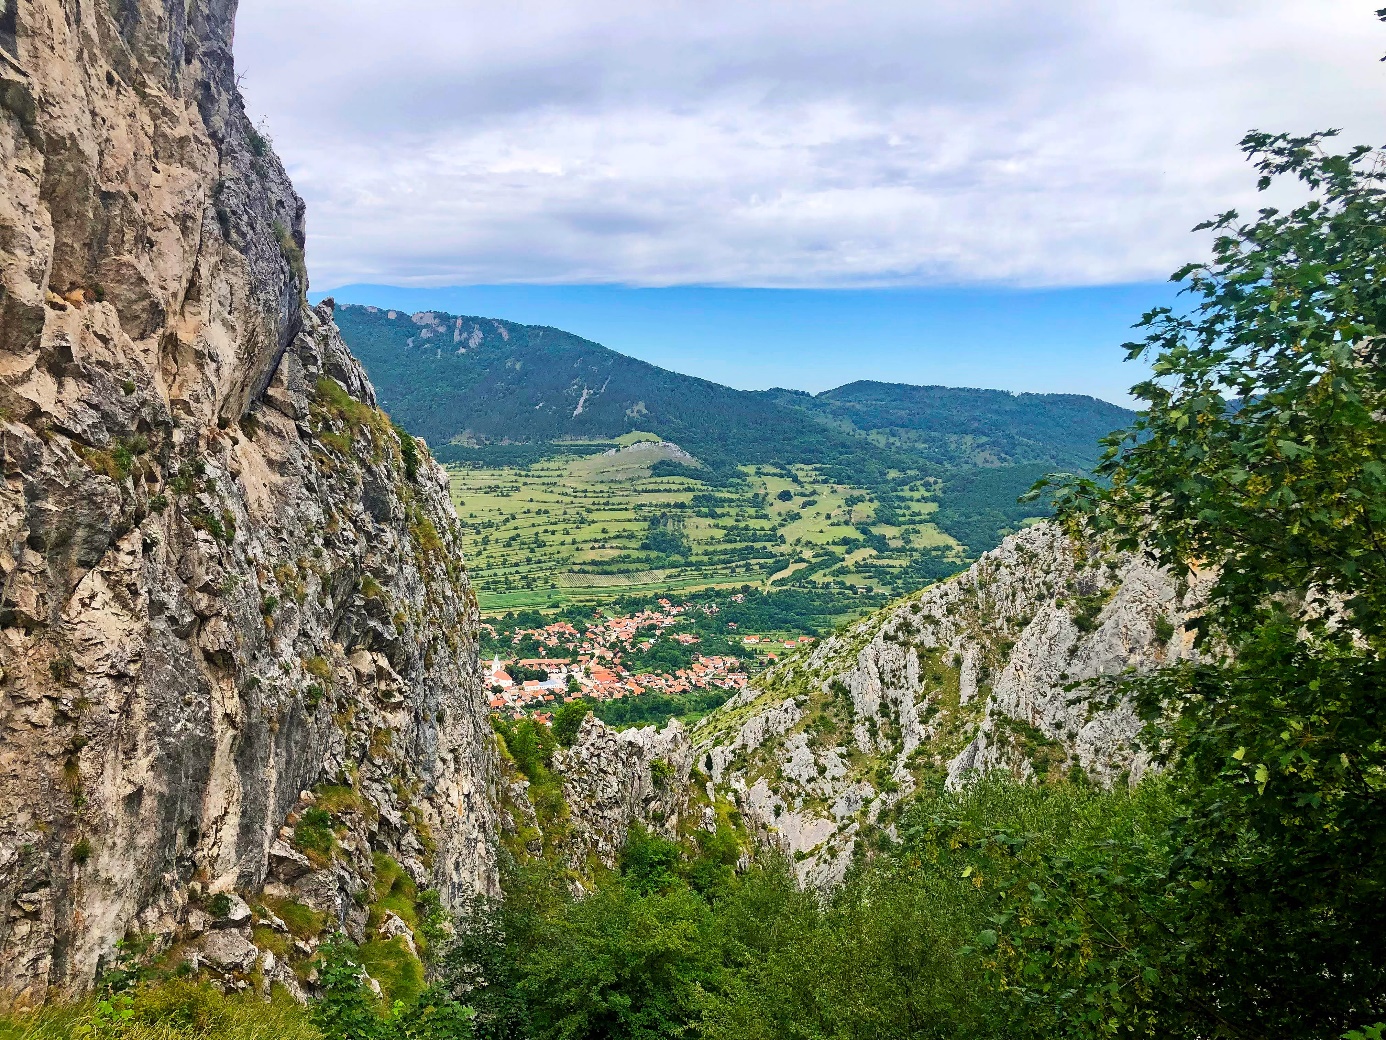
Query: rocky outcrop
[(985, 671), (614, 779), (226, 579)]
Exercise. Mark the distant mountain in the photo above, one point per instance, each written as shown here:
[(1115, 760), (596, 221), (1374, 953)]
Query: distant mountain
[(486, 381), (950, 426), (483, 389)]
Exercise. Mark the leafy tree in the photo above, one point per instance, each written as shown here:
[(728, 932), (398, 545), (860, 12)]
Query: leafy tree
[(531, 744), (567, 721), (347, 1010), (618, 964), (712, 871), (1278, 738), (649, 863)]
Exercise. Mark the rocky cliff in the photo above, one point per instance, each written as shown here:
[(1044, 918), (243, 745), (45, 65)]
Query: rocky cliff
[(612, 780), (978, 673), (227, 581)]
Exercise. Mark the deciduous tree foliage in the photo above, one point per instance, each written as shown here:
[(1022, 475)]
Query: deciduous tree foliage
[(1262, 453)]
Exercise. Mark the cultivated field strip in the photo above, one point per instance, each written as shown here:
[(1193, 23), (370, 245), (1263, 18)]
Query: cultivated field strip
[(584, 528)]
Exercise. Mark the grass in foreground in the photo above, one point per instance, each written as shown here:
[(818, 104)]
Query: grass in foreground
[(173, 1010)]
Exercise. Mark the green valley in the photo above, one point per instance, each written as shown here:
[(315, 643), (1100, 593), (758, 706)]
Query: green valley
[(585, 528), (584, 474)]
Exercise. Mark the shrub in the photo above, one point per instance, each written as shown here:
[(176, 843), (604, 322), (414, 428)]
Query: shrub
[(259, 142), (649, 863), (292, 253), (302, 921), (409, 452), (319, 668), (567, 721)]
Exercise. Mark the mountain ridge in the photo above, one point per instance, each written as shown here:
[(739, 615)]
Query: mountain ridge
[(434, 368)]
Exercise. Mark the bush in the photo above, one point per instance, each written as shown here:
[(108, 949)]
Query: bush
[(409, 452), (313, 836), (567, 721), (650, 863)]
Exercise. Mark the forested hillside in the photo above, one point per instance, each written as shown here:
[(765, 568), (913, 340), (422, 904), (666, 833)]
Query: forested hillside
[(488, 392), (952, 426), (483, 380)]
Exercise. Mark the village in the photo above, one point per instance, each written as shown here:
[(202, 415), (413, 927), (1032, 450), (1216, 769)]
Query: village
[(598, 663)]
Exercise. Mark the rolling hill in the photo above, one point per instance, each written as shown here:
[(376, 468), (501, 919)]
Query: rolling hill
[(951, 426), (458, 379), (490, 392), (484, 381)]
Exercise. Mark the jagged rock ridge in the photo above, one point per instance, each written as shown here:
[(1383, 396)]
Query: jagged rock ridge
[(226, 579), (971, 675)]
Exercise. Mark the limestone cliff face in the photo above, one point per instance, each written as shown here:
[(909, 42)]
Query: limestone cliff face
[(971, 675), (606, 783), (614, 779), (226, 579)]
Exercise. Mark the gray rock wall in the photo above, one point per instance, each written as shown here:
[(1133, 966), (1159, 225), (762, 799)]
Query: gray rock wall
[(974, 674), (220, 585), (615, 779)]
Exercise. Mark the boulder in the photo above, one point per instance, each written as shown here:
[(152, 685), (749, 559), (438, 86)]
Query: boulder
[(237, 913), (394, 927), (286, 863), (229, 951)]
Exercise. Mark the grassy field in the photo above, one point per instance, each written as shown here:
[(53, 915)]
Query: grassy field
[(585, 528)]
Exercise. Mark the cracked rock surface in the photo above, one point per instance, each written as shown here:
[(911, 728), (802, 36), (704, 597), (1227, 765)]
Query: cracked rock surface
[(223, 581), (974, 674), (613, 779)]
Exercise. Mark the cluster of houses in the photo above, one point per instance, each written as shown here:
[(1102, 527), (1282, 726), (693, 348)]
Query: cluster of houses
[(590, 664)]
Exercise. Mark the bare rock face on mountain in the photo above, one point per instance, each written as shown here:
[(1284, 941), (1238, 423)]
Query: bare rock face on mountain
[(974, 674), (612, 780), (608, 782), (226, 579)]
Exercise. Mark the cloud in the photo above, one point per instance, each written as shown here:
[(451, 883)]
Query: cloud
[(804, 143)]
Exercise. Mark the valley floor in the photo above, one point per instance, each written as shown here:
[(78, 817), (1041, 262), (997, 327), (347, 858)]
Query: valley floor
[(587, 528)]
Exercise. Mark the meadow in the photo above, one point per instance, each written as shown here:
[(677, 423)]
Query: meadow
[(632, 517)]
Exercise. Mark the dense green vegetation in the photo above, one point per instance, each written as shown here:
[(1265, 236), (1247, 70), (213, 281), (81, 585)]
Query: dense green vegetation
[(953, 426), (481, 380), (676, 943), (1277, 740)]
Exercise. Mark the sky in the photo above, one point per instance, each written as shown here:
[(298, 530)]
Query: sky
[(936, 148), (1023, 340)]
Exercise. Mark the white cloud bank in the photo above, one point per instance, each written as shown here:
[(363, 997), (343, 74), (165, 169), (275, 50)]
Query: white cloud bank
[(778, 143)]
